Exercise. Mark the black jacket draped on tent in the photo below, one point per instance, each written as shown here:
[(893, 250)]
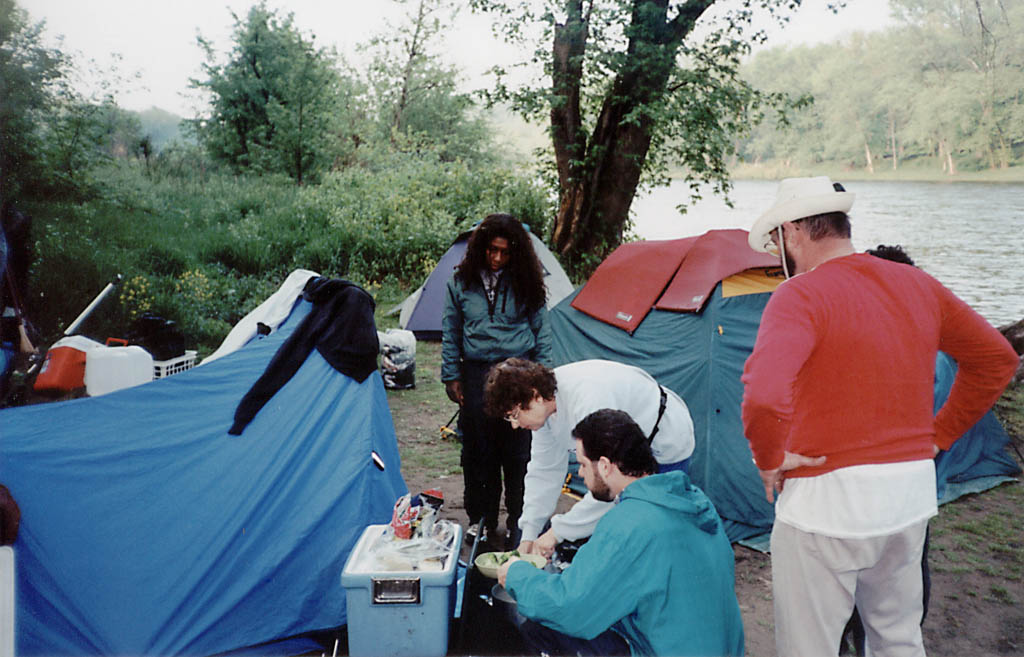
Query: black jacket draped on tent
[(340, 326)]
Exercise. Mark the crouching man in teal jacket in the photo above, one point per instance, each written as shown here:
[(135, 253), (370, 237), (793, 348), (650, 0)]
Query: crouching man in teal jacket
[(655, 578)]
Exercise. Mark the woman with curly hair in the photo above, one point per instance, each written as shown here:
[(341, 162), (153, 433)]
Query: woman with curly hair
[(494, 309)]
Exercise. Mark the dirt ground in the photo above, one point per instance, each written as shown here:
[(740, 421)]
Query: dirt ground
[(976, 555)]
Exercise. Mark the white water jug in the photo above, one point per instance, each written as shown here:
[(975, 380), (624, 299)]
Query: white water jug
[(112, 368)]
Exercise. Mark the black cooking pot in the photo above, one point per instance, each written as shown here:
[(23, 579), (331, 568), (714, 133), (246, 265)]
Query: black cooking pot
[(503, 600)]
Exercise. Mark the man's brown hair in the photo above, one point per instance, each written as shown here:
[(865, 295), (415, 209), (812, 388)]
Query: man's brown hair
[(514, 382), (827, 224)]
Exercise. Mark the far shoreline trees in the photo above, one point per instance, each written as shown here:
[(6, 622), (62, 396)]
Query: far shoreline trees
[(944, 89)]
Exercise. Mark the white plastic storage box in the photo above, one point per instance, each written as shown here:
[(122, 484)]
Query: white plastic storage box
[(402, 613), (163, 368)]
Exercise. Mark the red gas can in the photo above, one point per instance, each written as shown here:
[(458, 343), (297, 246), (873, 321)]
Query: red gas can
[(64, 366)]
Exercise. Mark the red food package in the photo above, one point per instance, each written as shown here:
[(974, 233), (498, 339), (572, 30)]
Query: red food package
[(433, 497), (404, 515)]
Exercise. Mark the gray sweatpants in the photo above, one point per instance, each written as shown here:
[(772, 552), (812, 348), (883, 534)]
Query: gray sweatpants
[(816, 580)]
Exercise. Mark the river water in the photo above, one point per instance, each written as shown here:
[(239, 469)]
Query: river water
[(970, 236)]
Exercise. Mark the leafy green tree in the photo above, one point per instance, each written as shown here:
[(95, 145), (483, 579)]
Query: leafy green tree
[(634, 88), (969, 54), (122, 132), (416, 93), (279, 104), (895, 86), (52, 137), (73, 139), (847, 104), (784, 138), (28, 73), (946, 83)]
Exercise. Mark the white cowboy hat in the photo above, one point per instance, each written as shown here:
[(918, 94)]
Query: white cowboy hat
[(797, 198)]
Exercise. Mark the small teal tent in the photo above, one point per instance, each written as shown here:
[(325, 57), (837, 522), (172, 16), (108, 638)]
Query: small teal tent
[(687, 311), (147, 529)]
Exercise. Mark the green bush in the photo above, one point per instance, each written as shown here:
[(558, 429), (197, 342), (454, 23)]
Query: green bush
[(205, 250), (415, 208)]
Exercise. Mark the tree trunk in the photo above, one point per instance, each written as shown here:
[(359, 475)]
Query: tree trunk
[(950, 166), (298, 150), (569, 141), (867, 157), (594, 208), (892, 142), (413, 52), (598, 177)]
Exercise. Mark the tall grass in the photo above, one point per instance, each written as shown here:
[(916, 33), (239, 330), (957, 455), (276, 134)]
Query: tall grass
[(205, 247)]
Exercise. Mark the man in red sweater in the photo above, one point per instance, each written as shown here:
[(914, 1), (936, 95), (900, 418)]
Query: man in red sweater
[(837, 405)]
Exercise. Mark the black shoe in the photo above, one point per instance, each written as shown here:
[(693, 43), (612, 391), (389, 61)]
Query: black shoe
[(490, 541)]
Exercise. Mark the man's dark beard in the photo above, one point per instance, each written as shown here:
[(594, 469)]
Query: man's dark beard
[(600, 491), (790, 264)]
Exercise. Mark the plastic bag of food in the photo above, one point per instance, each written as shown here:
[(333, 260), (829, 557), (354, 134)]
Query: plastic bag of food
[(414, 515), (398, 358), (427, 549)]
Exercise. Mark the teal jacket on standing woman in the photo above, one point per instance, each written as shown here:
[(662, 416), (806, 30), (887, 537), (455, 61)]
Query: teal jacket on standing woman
[(471, 330)]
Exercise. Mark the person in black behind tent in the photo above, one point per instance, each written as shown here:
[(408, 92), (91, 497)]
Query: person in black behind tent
[(10, 517), (15, 257)]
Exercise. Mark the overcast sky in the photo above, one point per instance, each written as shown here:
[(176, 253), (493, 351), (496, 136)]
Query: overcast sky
[(157, 39)]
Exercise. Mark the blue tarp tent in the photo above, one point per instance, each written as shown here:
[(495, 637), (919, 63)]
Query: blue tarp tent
[(148, 530), (700, 355)]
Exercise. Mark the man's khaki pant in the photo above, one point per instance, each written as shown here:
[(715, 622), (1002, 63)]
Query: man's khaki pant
[(816, 580)]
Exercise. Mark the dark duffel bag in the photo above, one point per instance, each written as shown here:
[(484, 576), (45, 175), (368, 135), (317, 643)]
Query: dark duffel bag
[(159, 336)]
